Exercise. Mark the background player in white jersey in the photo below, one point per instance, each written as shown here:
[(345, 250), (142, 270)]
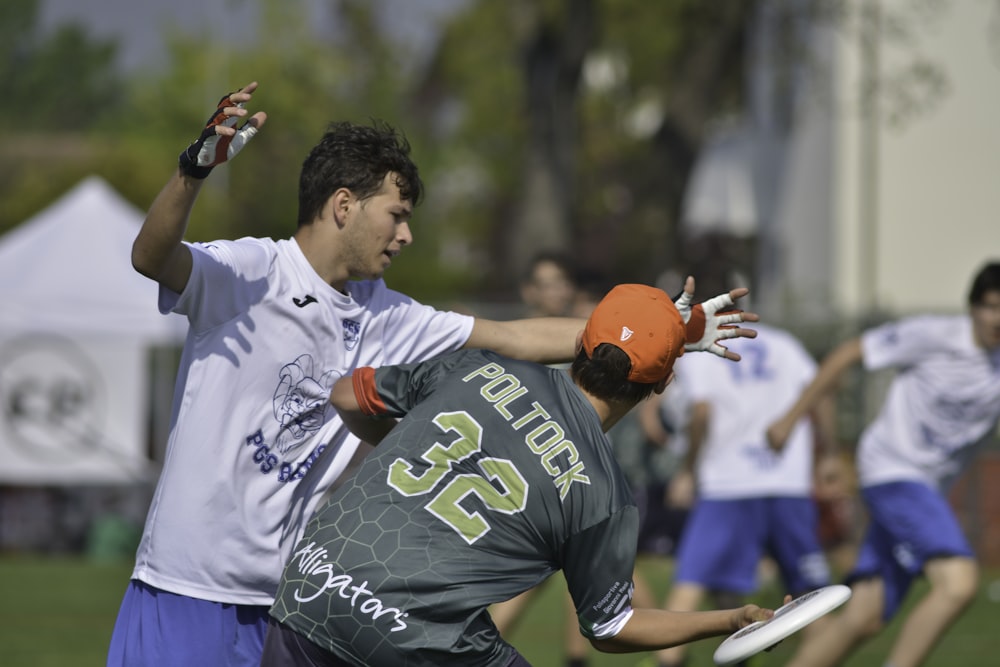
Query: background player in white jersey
[(498, 474), (748, 501), (944, 400), (273, 324)]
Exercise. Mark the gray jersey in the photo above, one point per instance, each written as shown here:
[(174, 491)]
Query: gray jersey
[(498, 476)]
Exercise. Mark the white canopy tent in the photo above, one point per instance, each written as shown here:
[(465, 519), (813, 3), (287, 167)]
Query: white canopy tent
[(76, 327), (721, 196)]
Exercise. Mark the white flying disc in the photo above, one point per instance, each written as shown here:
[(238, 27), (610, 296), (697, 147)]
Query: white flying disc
[(787, 619)]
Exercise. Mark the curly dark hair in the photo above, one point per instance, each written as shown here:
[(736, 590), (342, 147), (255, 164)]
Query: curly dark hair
[(605, 375), (356, 157), (986, 280)]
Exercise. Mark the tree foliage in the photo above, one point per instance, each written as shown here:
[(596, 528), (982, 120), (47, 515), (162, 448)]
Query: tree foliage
[(65, 79), (581, 119), (615, 147), (305, 84), (58, 89)]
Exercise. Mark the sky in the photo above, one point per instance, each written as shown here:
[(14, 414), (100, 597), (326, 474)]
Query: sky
[(139, 26)]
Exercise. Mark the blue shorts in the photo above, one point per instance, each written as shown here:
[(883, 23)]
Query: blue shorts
[(724, 540), (909, 524), (160, 629)]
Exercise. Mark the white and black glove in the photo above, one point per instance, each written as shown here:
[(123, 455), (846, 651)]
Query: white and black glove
[(212, 148)]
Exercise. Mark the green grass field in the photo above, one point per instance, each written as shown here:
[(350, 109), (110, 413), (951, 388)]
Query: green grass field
[(58, 612)]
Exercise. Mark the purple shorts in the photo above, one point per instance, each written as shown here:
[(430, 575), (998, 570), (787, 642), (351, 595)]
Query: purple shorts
[(160, 629), (724, 540), (910, 523)]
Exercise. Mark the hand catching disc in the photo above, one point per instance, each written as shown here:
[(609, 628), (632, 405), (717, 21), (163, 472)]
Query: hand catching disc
[(787, 619)]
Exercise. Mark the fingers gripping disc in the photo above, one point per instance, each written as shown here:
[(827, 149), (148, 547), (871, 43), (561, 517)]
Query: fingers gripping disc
[(787, 619)]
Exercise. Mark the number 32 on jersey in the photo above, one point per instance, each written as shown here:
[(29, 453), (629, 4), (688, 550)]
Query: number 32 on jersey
[(500, 487)]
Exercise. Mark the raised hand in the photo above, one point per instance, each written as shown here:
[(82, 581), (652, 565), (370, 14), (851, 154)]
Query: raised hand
[(220, 140), (711, 321)]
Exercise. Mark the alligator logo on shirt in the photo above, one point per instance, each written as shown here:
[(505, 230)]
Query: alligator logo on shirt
[(352, 334), (300, 401)]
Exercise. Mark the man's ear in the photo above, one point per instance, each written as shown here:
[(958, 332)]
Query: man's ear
[(662, 384), (340, 205), (579, 342)]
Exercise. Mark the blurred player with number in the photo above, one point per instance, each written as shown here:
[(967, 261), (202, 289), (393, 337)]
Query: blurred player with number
[(747, 501)]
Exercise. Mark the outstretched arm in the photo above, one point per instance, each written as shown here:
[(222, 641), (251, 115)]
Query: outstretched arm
[(550, 340), (827, 378), (545, 340), (655, 629), (158, 251)]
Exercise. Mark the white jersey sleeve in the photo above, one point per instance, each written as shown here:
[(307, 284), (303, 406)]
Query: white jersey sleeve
[(411, 331), (906, 342), (227, 278)]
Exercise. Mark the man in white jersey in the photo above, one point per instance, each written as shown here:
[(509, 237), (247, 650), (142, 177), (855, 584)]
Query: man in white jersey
[(273, 324), (944, 400), (747, 501)]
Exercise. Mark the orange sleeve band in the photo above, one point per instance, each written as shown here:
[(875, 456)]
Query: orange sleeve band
[(365, 393)]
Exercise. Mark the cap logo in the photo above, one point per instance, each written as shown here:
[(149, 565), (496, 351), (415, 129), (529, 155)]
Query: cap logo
[(643, 323)]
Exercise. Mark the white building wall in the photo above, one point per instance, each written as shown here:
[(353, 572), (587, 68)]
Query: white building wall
[(933, 212)]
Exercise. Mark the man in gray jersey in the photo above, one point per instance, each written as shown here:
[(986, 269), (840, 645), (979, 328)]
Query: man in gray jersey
[(498, 474)]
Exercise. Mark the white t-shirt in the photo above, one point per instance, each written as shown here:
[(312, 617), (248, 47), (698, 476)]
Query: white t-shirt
[(267, 340), (944, 400), (746, 397)]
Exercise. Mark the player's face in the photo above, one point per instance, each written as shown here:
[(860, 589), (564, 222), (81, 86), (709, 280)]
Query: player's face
[(550, 291), (379, 230), (986, 320)]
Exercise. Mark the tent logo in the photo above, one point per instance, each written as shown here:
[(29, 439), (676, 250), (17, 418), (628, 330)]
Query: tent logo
[(52, 399)]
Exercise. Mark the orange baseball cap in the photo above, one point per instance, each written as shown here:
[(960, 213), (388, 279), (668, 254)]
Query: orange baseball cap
[(643, 323)]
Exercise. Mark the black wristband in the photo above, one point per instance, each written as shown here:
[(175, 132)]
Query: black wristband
[(189, 168)]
